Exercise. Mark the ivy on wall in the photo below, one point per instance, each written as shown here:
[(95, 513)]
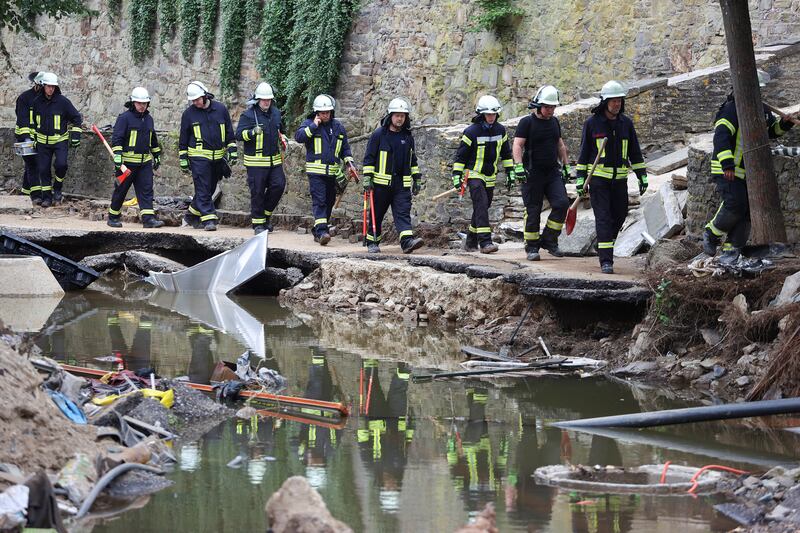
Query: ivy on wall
[(234, 15), (190, 26), (208, 23), (168, 21), (142, 14), (496, 15), (114, 10), (276, 29), (254, 9)]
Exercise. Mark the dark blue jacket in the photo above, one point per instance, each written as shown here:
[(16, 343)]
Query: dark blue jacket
[(134, 138), (51, 116), (379, 158), (206, 133), (24, 109), (482, 147), (263, 150), (621, 149), (326, 146)]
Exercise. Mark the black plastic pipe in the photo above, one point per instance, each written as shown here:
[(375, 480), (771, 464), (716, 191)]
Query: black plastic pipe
[(689, 414)]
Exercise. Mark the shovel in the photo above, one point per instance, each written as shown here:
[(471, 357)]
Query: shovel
[(572, 213), (781, 113), (125, 170)]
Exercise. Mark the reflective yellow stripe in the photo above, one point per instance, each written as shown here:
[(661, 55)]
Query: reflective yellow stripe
[(317, 145), (207, 154), (317, 167), (132, 138), (531, 235), (624, 149), (479, 155), (338, 148), (206, 218), (599, 142), (727, 123), (259, 145), (458, 167), (197, 135), (605, 245), (222, 132), (262, 160), (552, 224), (406, 233), (466, 140), (308, 132), (56, 122), (51, 139), (133, 157)]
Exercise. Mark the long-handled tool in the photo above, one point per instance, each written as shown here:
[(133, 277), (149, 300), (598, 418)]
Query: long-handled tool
[(572, 213), (352, 177), (125, 170), (364, 219), (448, 192), (781, 113), (372, 214)]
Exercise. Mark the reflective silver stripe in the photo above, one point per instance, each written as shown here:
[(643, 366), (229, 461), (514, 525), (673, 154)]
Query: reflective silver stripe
[(493, 138)]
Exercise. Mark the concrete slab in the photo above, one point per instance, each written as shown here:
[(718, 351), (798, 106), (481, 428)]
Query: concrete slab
[(663, 213), (630, 241), (669, 162), (27, 313), (582, 239), (27, 276)]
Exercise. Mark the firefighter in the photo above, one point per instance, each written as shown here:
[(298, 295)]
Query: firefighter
[(391, 175), (327, 152), (52, 112), (540, 158), (483, 145), (135, 144), (207, 147), (727, 169), (609, 186), (25, 131), (260, 128)]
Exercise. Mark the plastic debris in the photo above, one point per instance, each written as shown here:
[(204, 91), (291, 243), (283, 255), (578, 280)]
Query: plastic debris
[(67, 406), (13, 507)]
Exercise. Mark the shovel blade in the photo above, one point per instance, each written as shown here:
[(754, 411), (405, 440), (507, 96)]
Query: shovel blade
[(569, 223)]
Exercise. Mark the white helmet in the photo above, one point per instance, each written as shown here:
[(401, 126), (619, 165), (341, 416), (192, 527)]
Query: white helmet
[(399, 105), (324, 102), (488, 104), (195, 90), (613, 89), (140, 94), (547, 95), (264, 91), (48, 78), (763, 78)]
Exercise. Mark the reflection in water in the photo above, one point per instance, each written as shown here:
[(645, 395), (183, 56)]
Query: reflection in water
[(412, 457)]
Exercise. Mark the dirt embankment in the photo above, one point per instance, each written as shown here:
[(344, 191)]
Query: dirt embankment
[(35, 435)]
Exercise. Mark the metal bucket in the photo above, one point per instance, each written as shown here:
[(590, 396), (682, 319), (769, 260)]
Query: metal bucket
[(24, 148)]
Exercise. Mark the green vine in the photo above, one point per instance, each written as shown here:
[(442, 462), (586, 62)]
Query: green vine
[(233, 33), (114, 10), (168, 21), (496, 15), (305, 60), (142, 14), (190, 24), (208, 23), (663, 302), (253, 9)]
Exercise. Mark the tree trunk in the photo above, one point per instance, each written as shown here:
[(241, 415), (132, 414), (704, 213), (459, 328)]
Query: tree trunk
[(762, 187)]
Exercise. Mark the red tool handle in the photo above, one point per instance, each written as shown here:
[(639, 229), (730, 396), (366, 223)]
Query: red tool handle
[(125, 170), (364, 226), (464, 184), (372, 213)]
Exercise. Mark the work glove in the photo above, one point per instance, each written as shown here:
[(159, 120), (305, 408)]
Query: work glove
[(233, 156), (416, 185), (511, 179), (457, 177), (579, 183), (352, 172), (520, 174), (284, 142), (341, 182), (255, 131), (118, 163), (566, 172), (156, 162), (367, 182), (184, 162), (642, 184), (75, 139)]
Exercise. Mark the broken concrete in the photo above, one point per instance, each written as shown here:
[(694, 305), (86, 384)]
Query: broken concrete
[(790, 292), (298, 508), (671, 161), (135, 261), (581, 240), (27, 276)]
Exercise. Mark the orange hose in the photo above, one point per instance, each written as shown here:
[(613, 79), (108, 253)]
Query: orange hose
[(712, 467), (664, 473)]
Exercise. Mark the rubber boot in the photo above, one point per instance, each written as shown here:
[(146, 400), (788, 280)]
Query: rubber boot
[(324, 238), (710, 243), (533, 254), (607, 268), (210, 225), (114, 222), (259, 229), (471, 243), (152, 223), (409, 244), (373, 248), (730, 256), (489, 248)]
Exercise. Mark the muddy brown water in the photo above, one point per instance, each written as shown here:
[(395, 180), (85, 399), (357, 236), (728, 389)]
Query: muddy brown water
[(412, 457)]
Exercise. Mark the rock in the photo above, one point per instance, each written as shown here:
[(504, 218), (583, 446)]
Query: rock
[(740, 303), (246, 412), (770, 484), (789, 291), (304, 286), (739, 512), (779, 513), (630, 240), (636, 368), (580, 241), (301, 230), (718, 371), (746, 360), (751, 482), (743, 381), (711, 336), (775, 471), (750, 348), (662, 213), (297, 508), (371, 297), (410, 317), (784, 481), (389, 305), (353, 300)]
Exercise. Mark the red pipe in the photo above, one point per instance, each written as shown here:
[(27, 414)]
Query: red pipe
[(664, 473), (712, 467)]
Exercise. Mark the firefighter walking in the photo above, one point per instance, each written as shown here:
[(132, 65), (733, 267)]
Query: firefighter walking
[(727, 168), (260, 128), (207, 148), (391, 176), (483, 145), (609, 185), (25, 131), (540, 158), (327, 153), (53, 112), (135, 144)]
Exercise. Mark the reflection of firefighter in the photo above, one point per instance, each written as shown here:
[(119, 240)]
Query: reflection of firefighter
[(473, 462), (610, 513), (385, 431), (137, 356), (201, 365), (523, 495), (316, 444)]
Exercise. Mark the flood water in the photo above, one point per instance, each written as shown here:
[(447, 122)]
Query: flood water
[(412, 457)]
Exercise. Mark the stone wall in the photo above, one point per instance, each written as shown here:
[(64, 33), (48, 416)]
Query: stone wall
[(423, 49)]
